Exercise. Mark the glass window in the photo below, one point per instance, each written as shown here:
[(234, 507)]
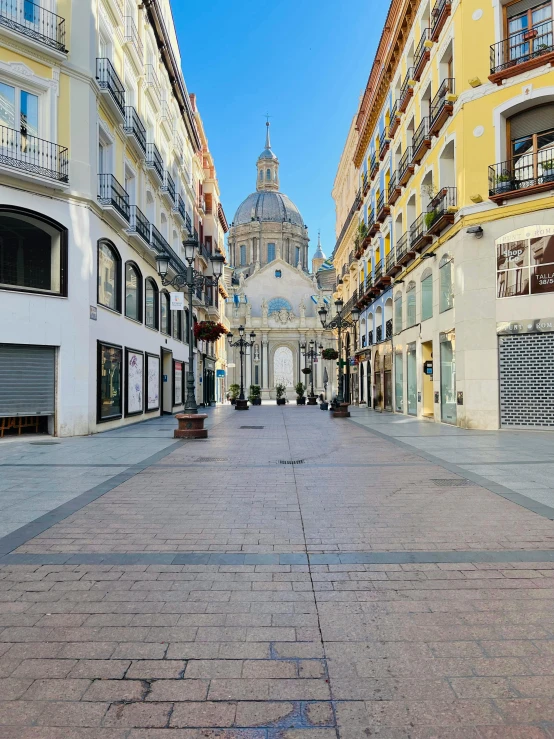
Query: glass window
[(151, 304), (261, 174), (243, 255), (133, 281), (411, 304), (177, 325), (427, 298), (108, 276), (448, 382), (268, 174), (165, 323), (297, 256), (32, 253), (412, 380), (398, 383), (18, 110), (270, 252), (277, 273), (446, 297), (398, 313), (109, 382)]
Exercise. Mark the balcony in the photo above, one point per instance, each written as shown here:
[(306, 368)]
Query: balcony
[(422, 141), (405, 167), (28, 158), (441, 211), (152, 83), (385, 146), (201, 204), (356, 205), (403, 251), (372, 226), (527, 175), (204, 252), (179, 209), (442, 106), (374, 166), (365, 183), (111, 87), (370, 338), (383, 209), (378, 334), (139, 225), (377, 273), (388, 329), (391, 266), (43, 29), (419, 238), (439, 15), (113, 197), (166, 117), (394, 120), (394, 189), (154, 161), (188, 223), (422, 54), (178, 147), (522, 52), (134, 128), (132, 39), (168, 188), (351, 259), (157, 241), (406, 91)]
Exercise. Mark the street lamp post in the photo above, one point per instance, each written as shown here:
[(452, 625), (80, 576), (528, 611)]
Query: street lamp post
[(191, 423), (311, 354), (339, 322), (243, 344)]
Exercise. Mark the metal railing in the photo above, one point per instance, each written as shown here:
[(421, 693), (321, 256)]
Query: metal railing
[(112, 193), (402, 246), (37, 23), (157, 240), (364, 181), (440, 205), (421, 134), (381, 201), (205, 252), (353, 209), (404, 162), (392, 184), (188, 222), (527, 170), (446, 88), (421, 51), (154, 160), (406, 85), (378, 334), (374, 165), (179, 207), (168, 185), (436, 14), (134, 126), (351, 257), (521, 47), (417, 229), (390, 261), (108, 79), (132, 35), (152, 81), (370, 337), (33, 155), (378, 271), (388, 329), (139, 223)]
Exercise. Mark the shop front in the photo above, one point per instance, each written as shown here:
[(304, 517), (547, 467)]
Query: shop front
[(382, 378), (448, 398), (208, 381)]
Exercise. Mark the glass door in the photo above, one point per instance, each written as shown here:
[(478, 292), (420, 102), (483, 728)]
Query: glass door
[(448, 382), (398, 383), (412, 381)]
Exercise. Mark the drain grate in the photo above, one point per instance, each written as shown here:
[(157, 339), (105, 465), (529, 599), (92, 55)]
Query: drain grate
[(251, 427), (452, 483), (211, 459), (293, 461)]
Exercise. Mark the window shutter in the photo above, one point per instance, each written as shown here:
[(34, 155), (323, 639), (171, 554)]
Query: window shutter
[(521, 7), (534, 120)]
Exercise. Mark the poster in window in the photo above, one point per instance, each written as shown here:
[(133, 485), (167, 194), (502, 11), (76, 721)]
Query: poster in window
[(525, 262), (152, 382), (110, 362), (177, 382), (134, 382)]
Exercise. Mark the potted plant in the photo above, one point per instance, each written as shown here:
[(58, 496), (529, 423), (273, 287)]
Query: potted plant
[(430, 217), (280, 391), (547, 170), (254, 396), (323, 405), (329, 353), (234, 391), (208, 330), (504, 182), (300, 397)]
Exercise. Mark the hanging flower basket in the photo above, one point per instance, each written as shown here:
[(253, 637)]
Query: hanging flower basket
[(306, 371), (330, 354), (208, 330)]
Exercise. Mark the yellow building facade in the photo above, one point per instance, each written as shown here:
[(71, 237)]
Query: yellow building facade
[(104, 165), (448, 248)]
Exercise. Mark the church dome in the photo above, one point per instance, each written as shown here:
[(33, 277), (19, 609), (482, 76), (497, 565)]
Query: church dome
[(267, 154), (267, 206)]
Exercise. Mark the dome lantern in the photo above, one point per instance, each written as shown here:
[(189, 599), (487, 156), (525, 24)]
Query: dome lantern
[(267, 167)]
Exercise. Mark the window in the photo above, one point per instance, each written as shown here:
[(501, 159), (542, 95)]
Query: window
[(270, 252), (532, 145), (151, 315), (243, 255), (398, 313), (446, 297), (268, 174), (110, 361), (177, 325), (19, 111), (165, 323), (33, 252), (261, 175), (278, 304), (398, 383), (277, 273), (297, 256), (526, 35), (427, 295), (133, 297), (411, 305), (109, 276)]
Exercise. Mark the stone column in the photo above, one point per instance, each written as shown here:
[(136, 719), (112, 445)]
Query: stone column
[(265, 367)]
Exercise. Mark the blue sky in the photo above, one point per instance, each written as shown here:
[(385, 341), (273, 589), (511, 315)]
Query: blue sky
[(303, 61)]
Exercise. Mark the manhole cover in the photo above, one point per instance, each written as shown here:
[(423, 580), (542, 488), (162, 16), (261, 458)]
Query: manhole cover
[(251, 427), (451, 483), (211, 459), (44, 443), (288, 461)]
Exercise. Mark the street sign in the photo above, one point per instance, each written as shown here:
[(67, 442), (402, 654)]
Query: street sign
[(177, 301), (428, 367), (220, 373)]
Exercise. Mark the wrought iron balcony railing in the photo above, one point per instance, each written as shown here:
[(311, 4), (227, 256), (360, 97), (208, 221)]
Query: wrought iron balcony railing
[(34, 22), (35, 156), (402, 247), (418, 233), (112, 193), (441, 210), (522, 175), (132, 36), (525, 48), (179, 207), (442, 105), (421, 141), (108, 79), (152, 81), (422, 53), (139, 223), (439, 14), (394, 120), (388, 329), (404, 171), (134, 126), (168, 185), (188, 223), (158, 242), (407, 90), (378, 334), (154, 160), (378, 271), (390, 261)]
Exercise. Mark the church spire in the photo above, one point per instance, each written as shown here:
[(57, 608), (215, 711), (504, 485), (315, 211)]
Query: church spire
[(267, 166), (267, 141)]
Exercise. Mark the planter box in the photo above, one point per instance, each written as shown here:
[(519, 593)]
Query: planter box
[(256, 401), (324, 406), (281, 401), (300, 401)]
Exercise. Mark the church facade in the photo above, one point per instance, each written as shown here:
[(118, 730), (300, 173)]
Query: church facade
[(273, 292)]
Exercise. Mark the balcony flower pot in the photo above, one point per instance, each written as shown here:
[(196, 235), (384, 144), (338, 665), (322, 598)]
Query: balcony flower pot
[(324, 405), (530, 34), (280, 391), (331, 354)]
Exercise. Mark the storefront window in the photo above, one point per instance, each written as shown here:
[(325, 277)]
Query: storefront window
[(412, 380), (133, 281), (109, 265), (177, 325), (165, 313), (411, 305), (525, 262), (151, 304), (398, 313), (427, 295), (448, 382), (398, 383), (110, 359), (446, 297)]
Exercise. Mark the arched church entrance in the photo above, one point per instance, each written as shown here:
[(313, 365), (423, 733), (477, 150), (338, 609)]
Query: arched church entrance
[(283, 367)]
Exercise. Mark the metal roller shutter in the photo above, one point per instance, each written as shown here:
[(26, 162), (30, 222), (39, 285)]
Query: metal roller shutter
[(27, 380), (532, 121), (521, 7)]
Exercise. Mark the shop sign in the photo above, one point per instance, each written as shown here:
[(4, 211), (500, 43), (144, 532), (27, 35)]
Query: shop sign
[(525, 326), (220, 373), (177, 301), (525, 262)]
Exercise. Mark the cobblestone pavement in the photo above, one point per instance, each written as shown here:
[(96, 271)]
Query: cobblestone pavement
[(217, 593)]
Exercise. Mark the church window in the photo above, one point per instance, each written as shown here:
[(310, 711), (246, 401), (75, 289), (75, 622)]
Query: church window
[(277, 273), (261, 175), (243, 255), (297, 256), (268, 174), (278, 304), (270, 252)]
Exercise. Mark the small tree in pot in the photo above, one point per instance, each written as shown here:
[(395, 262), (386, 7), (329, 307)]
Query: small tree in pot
[(254, 395), (300, 398), (234, 391), (280, 391)]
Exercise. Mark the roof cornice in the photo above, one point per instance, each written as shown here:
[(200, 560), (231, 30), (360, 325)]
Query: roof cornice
[(398, 25)]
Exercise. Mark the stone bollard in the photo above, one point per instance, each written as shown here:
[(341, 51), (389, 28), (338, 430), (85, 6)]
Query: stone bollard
[(241, 405), (341, 411), (312, 399), (191, 426)]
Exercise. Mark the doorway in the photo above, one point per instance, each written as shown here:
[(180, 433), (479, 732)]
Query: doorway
[(167, 381), (427, 379)]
